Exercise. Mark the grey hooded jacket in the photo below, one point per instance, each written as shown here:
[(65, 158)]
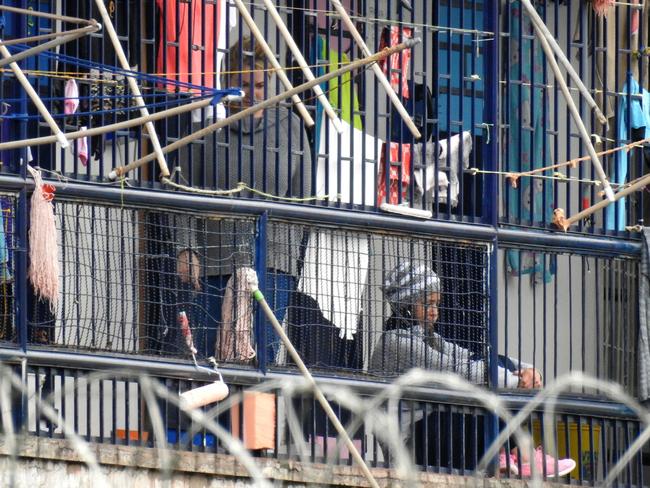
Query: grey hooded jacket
[(270, 154)]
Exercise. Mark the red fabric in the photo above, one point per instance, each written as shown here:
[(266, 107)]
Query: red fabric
[(395, 183), (201, 49), (398, 64)]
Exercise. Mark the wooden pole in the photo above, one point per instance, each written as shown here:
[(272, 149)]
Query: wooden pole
[(259, 297), (573, 110), (537, 20), (295, 50), (377, 70), (267, 103), (36, 100), (151, 130), (309, 122), (95, 131)]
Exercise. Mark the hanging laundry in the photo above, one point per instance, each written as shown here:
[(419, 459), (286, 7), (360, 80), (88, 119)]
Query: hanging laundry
[(533, 201), (352, 161), (192, 51), (396, 67), (335, 274), (71, 102), (420, 106), (341, 258), (342, 96), (399, 173), (638, 113), (81, 147), (446, 155)]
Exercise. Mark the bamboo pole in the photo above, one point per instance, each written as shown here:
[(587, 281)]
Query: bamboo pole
[(47, 15), (295, 50), (573, 110), (259, 297), (309, 122), (267, 103), (36, 100), (377, 70), (96, 131), (636, 186), (42, 37), (537, 20), (50, 44), (151, 130)]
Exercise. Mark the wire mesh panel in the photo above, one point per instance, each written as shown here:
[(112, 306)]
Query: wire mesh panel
[(386, 303), (7, 268), (141, 281), (575, 313)]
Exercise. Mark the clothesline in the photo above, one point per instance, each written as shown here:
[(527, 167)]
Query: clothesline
[(376, 20), (513, 176), (241, 186), (85, 76)]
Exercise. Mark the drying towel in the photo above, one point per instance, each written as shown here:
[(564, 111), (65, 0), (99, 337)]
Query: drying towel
[(445, 155)]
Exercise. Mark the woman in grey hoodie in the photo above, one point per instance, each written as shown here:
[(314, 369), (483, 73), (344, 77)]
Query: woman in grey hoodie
[(410, 339)]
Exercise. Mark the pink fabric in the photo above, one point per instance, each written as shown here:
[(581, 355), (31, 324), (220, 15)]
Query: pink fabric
[(397, 66), (634, 22), (397, 161), (82, 148), (186, 332), (234, 341), (546, 464), (602, 6), (197, 19), (43, 248), (71, 102)]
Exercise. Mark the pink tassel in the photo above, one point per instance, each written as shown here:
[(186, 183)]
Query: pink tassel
[(71, 93), (43, 249), (602, 6)]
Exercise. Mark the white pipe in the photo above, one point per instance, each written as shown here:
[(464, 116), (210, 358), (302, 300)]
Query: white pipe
[(309, 122), (377, 70), (27, 86), (575, 114), (545, 33), (134, 87), (295, 50)]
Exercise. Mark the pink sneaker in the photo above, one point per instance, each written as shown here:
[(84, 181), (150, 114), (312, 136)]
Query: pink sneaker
[(564, 466), (506, 465)]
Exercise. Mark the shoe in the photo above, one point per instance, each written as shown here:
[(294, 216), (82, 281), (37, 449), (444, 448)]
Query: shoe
[(506, 465), (545, 461)]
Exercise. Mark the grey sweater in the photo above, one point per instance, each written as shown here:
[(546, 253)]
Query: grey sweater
[(399, 350), (270, 154)]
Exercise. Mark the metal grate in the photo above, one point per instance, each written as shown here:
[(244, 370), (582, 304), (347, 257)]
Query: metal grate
[(340, 317)]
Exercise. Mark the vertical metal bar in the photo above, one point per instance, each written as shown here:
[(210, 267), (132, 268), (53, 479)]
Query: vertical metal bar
[(261, 241)]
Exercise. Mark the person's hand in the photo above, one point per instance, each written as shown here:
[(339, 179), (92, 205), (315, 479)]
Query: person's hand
[(187, 267), (529, 378)]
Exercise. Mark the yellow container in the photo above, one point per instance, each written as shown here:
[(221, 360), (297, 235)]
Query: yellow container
[(582, 458)]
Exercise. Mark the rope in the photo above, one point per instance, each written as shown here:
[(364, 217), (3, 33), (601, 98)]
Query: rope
[(513, 176), (241, 186)]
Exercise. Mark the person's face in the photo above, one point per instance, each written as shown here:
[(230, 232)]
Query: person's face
[(253, 87), (425, 311)]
